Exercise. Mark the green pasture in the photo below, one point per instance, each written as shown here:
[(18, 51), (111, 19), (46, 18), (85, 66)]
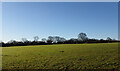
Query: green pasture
[(61, 56)]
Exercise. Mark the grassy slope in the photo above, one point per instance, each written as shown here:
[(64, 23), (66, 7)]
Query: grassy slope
[(80, 56)]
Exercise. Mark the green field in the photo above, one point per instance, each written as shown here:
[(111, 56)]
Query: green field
[(61, 56)]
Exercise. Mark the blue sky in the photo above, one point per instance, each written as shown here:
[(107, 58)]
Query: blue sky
[(65, 19)]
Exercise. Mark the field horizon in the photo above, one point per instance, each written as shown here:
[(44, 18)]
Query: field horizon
[(60, 35), (61, 56)]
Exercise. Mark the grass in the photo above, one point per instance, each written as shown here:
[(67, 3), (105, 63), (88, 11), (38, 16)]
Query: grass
[(61, 56)]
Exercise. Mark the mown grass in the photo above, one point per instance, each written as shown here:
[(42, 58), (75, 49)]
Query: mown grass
[(61, 56)]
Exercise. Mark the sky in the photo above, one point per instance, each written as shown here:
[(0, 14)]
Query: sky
[(66, 19)]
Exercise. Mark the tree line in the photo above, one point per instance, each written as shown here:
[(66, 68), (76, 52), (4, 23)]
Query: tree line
[(82, 38)]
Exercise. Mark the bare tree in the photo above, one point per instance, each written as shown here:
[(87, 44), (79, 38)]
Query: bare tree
[(109, 39), (62, 39), (36, 38), (50, 38), (11, 41), (82, 36), (73, 39), (56, 39), (44, 39), (24, 40)]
